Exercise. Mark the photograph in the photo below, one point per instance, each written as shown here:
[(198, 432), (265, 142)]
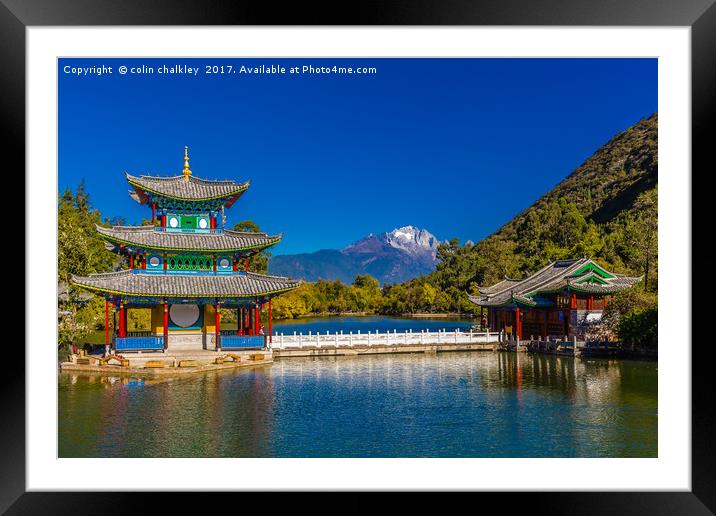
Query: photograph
[(343, 257)]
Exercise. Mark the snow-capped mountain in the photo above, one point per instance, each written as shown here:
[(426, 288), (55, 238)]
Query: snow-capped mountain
[(410, 239), (391, 257)]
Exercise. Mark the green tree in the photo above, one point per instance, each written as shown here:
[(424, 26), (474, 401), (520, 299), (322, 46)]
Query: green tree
[(641, 234), (80, 251), (258, 262)]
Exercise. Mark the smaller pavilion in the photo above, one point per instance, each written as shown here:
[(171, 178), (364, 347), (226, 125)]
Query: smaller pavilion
[(553, 302)]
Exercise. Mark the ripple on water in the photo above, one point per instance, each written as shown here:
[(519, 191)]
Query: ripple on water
[(479, 404)]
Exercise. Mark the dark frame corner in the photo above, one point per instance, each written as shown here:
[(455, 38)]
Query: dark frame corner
[(700, 15)]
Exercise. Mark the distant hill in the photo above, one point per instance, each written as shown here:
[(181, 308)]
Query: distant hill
[(392, 257), (611, 179), (606, 209)]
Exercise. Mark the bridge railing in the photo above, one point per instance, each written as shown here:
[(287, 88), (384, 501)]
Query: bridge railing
[(406, 338)]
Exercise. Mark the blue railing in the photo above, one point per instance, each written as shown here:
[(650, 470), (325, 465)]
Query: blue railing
[(241, 341), (139, 343)]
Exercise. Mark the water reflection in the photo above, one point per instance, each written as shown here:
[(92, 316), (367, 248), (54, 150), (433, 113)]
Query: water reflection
[(412, 405)]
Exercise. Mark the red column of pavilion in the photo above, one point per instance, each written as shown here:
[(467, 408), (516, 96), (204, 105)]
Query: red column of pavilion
[(518, 323), (218, 327), (122, 320), (166, 325), (239, 321), (106, 322)]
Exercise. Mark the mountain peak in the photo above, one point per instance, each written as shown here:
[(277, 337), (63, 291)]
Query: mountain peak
[(409, 239), (394, 256), (412, 239), (405, 232)]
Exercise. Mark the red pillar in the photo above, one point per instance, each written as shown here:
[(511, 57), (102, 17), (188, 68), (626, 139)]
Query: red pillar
[(144, 261), (166, 325), (573, 301), (234, 265), (106, 322), (164, 261), (518, 323), (122, 321), (240, 321), (218, 326), (214, 263), (270, 322), (154, 213), (590, 302), (252, 322), (131, 261), (256, 318), (246, 264)]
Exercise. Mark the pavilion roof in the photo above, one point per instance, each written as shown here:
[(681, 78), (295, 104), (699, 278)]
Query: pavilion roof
[(142, 284), (185, 188), (149, 237), (580, 275), (507, 282)]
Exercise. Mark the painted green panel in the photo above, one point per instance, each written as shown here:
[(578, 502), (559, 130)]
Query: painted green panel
[(188, 221)]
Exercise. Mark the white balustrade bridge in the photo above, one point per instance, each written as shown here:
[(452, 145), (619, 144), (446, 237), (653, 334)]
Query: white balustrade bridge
[(407, 338)]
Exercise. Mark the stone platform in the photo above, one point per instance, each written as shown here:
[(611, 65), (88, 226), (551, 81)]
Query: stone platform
[(170, 362)]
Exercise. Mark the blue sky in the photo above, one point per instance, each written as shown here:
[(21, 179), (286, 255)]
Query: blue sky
[(456, 146)]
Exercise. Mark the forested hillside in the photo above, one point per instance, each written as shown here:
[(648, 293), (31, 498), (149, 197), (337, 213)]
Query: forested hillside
[(606, 209)]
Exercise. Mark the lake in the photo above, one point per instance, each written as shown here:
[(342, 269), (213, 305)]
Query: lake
[(371, 323), (453, 404)]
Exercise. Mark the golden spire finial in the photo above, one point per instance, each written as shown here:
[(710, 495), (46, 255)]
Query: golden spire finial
[(186, 170)]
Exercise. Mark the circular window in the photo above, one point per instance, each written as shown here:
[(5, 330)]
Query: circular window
[(202, 223), (154, 261), (173, 222), (224, 262), (184, 315)]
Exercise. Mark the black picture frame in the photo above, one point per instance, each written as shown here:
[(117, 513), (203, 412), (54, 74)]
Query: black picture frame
[(700, 15)]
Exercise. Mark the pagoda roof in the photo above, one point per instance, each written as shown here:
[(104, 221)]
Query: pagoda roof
[(580, 275), (137, 284), (185, 188), (149, 237)]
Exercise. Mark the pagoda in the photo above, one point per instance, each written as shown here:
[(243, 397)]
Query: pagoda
[(186, 267), (555, 301)]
